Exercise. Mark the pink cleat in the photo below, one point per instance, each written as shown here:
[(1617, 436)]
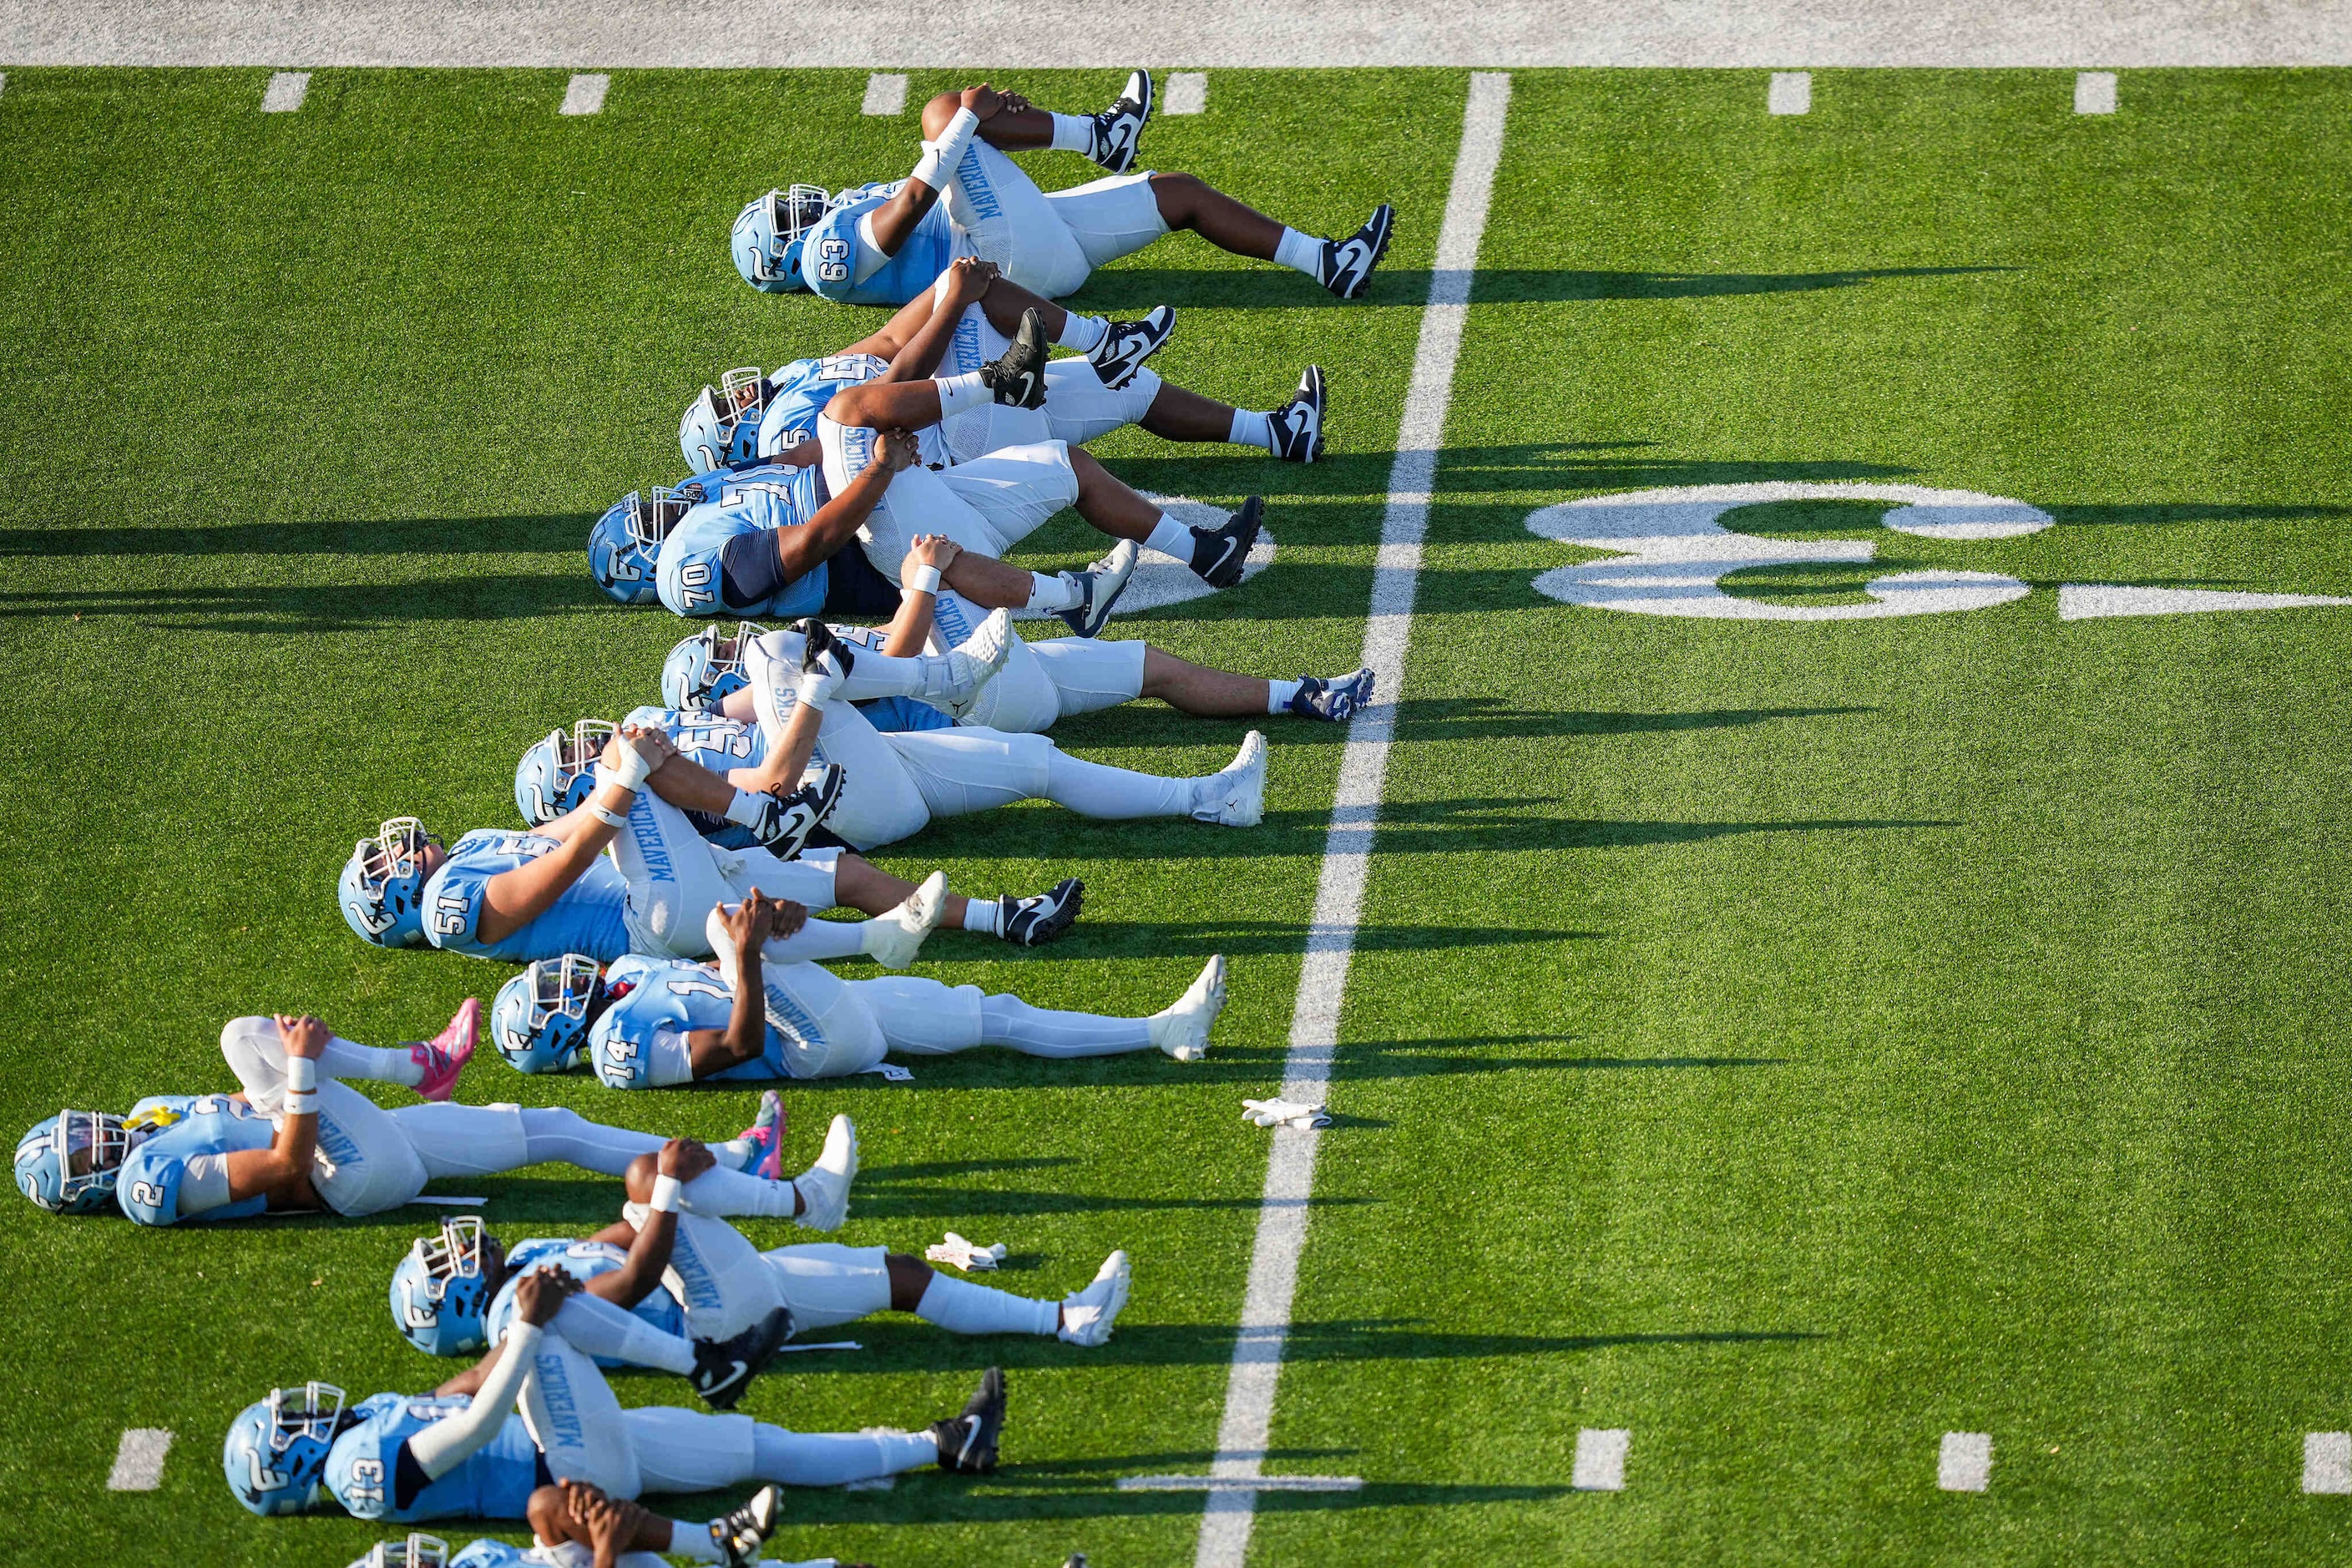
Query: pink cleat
[(766, 1135), (445, 1056)]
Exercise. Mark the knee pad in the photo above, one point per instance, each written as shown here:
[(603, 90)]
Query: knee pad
[(1022, 699)]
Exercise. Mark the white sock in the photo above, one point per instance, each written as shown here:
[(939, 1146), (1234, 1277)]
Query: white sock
[(343, 1059), (1073, 133), (1278, 694), (985, 916), (1010, 1022), (961, 394), (962, 1308), (736, 1153), (550, 1133), (693, 1542), (1252, 430), (745, 809), (1302, 252), (723, 1193), (1171, 537), (1090, 789), (815, 941), (1053, 593), (837, 1458), (1083, 333)]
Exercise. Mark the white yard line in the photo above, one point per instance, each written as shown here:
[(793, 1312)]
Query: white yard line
[(885, 94), (286, 91), (1754, 35), (1187, 93), (138, 1459), (2327, 1463), (1964, 1463), (1792, 93), (1346, 847), (584, 93), (1600, 1460)]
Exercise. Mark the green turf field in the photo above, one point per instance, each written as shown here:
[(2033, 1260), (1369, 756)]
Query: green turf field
[(1789, 1041)]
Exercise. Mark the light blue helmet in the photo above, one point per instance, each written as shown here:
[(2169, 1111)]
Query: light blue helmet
[(540, 1021), (418, 1550), (383, 887), (625, 546), (766, 241), (45, 1158), (703, 669), (721, 426), (276, 1450), (441, 1291), (558, 772)]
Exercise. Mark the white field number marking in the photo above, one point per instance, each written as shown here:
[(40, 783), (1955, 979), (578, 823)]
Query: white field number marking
[(1964, 1463), (138, 1459), (1672, 550)]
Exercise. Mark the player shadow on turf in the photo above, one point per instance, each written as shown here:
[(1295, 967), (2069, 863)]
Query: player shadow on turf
[(1201, 939), (1484, 718), (1129, 290), (924, 1497), (277, 608), (541, 534)]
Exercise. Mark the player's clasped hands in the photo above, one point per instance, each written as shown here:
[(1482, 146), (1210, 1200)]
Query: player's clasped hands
[(303, 1037), (933, 550), (540, 1294), (684, 1159), (759, 917)]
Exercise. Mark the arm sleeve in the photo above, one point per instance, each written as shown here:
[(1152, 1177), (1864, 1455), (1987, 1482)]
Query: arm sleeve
[(750, 574), (450, 1441), (204, 1185), (871, 256)]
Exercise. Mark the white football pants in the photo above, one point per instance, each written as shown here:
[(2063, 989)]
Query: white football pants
[(1048, 243)]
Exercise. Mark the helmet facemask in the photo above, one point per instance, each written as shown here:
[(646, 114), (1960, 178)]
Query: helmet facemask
[(419, 1551), (316, 1417), (563, 988), (791, 213), (397, 850), (455, 1253), (648, 522), (577, 753), (90, 1146)]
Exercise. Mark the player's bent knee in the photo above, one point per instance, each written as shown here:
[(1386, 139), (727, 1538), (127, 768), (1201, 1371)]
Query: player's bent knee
[(1177, 195), (638, 1179), (938, 111)]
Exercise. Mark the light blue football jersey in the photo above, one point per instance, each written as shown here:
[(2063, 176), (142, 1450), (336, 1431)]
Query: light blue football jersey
[(494, 1482), (714, 743), (671, 994), (799, 391), (688, 572), (583, 1260), (586, 919), (488, 1553), (148, 1186), (833, 251)]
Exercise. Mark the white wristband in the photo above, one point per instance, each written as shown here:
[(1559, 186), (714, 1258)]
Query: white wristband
[(301, 1102), (923, 579), (629, 773), (301, 1074), (609, 818), (666, 1191), (941, 156)]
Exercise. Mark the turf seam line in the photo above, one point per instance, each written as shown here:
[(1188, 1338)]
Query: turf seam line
[(886, 93), (1964, 1462), (1187, 93), (138, 1459), (584, 93), (286, 91), (1265, 1327)]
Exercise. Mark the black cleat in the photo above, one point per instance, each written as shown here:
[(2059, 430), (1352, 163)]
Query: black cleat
[(723, 1369), (1017, 376), (740, 1535), (817, 639), (1102, 583), (1298, 424), (1333, 700), (1347, 263), (1035, 921), (1218, 556), (968, 1442), (1118, 130), (1128, 344), (787, 820)]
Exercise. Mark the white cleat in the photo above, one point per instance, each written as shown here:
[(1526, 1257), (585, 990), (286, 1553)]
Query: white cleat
[(973, 663), (1181, 1028), (893, 938), (823, 1187), (1086, 1317), (1236, 797)]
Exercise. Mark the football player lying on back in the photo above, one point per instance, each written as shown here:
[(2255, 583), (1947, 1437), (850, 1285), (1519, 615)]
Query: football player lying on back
[(576, 1525), (299, 1139), (882, 244)]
